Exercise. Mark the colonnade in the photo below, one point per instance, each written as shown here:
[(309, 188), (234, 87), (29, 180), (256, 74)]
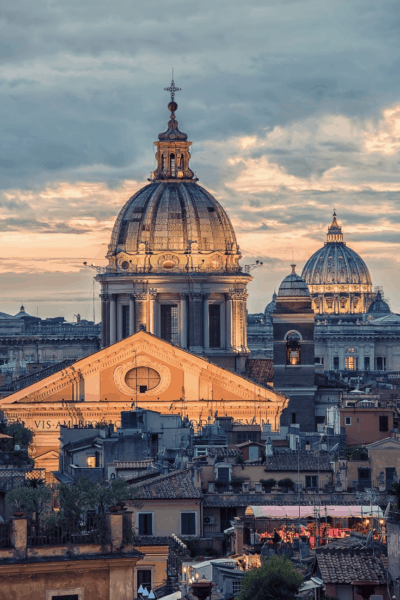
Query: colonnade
[(125, 314)]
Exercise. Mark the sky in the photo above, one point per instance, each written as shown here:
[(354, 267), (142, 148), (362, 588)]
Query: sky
[(293, 108)]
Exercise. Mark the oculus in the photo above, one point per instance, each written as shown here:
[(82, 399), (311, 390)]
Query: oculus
[(143, 376)]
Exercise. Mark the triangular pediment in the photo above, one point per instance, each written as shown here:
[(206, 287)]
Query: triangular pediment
[(107, 369)]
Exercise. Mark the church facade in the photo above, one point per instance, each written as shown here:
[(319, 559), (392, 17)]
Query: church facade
[(142, 370)]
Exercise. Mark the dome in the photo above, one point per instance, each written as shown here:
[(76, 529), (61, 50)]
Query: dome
[(173, 216), (335, 263), (293, 286), (271, 306), (379, 306)]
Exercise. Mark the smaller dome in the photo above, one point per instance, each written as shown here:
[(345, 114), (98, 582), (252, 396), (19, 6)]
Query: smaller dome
[(379, 305), (293, 285), (271, 306)]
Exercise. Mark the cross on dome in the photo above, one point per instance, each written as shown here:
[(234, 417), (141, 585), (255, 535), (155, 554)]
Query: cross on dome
[(172, 88)]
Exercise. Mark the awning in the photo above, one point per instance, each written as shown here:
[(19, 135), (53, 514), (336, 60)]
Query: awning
[(293, 511)]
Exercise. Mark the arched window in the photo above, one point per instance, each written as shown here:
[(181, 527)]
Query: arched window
[(173, 165), (293, 353)]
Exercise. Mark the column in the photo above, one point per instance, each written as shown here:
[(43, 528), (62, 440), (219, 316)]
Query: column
[(244, 316), (131, 315), (119, 321), (153, 308), (141, 311), (183, 321), (206, 324), (228, 312), (105, 320), (113, 319)]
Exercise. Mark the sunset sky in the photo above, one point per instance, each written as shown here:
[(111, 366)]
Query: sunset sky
[(293, 108)]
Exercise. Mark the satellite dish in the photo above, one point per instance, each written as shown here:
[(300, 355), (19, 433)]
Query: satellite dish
[(386, 513), (369, 538)]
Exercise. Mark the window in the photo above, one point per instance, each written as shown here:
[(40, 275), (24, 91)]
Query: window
[(390, 476), (293, 418), (311, 482), (319, 360), (125, 321), (91, 462), (71, 594), (145, 523), (188, 523), (336, 363), (351, 363), (144, 578), (293, 348), (236, 587), (214, 325), (347, 420), (364, 477), (381, 363), (142, 379), (383, 423), (169, 323), (366, 363), (173, 169)]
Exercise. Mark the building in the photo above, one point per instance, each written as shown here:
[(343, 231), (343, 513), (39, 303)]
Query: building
[(355, 329), (29, 343), (173, 263), (375, 467), (143, 371), (169, 504), (293, 337), (105, 452), (353, 573), (365, 418)]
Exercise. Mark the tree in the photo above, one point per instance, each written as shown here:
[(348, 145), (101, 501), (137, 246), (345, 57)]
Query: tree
[(31, 497), (276, 579)]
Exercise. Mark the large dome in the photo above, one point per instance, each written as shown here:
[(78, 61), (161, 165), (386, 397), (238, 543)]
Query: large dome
[(172, 216), (336, 272)]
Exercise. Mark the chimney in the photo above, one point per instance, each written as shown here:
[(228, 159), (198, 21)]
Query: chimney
[(269, 450)]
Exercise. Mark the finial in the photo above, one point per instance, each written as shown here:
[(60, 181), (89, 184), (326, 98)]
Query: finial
[(293, 269), (172, 88), (334, 212)]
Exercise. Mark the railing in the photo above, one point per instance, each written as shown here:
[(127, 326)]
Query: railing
[(5, 535), (175, 271), (11, 478), (65, 331), (91, 530), (211, 529)]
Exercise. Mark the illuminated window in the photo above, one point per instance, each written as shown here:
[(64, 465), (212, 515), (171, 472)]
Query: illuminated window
[(351, 363), (293, 349), (142, 379), (91, 462)]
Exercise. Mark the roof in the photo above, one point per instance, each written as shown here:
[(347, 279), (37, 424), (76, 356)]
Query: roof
[(249, 443), (260, 370), (223, 452), (295, 511), (175, 485), (88, 441), (347, 566), (287, 460), (324, 381)]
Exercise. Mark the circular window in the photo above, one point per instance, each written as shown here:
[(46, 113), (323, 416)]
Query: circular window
[(142, 379), (125, 265)]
